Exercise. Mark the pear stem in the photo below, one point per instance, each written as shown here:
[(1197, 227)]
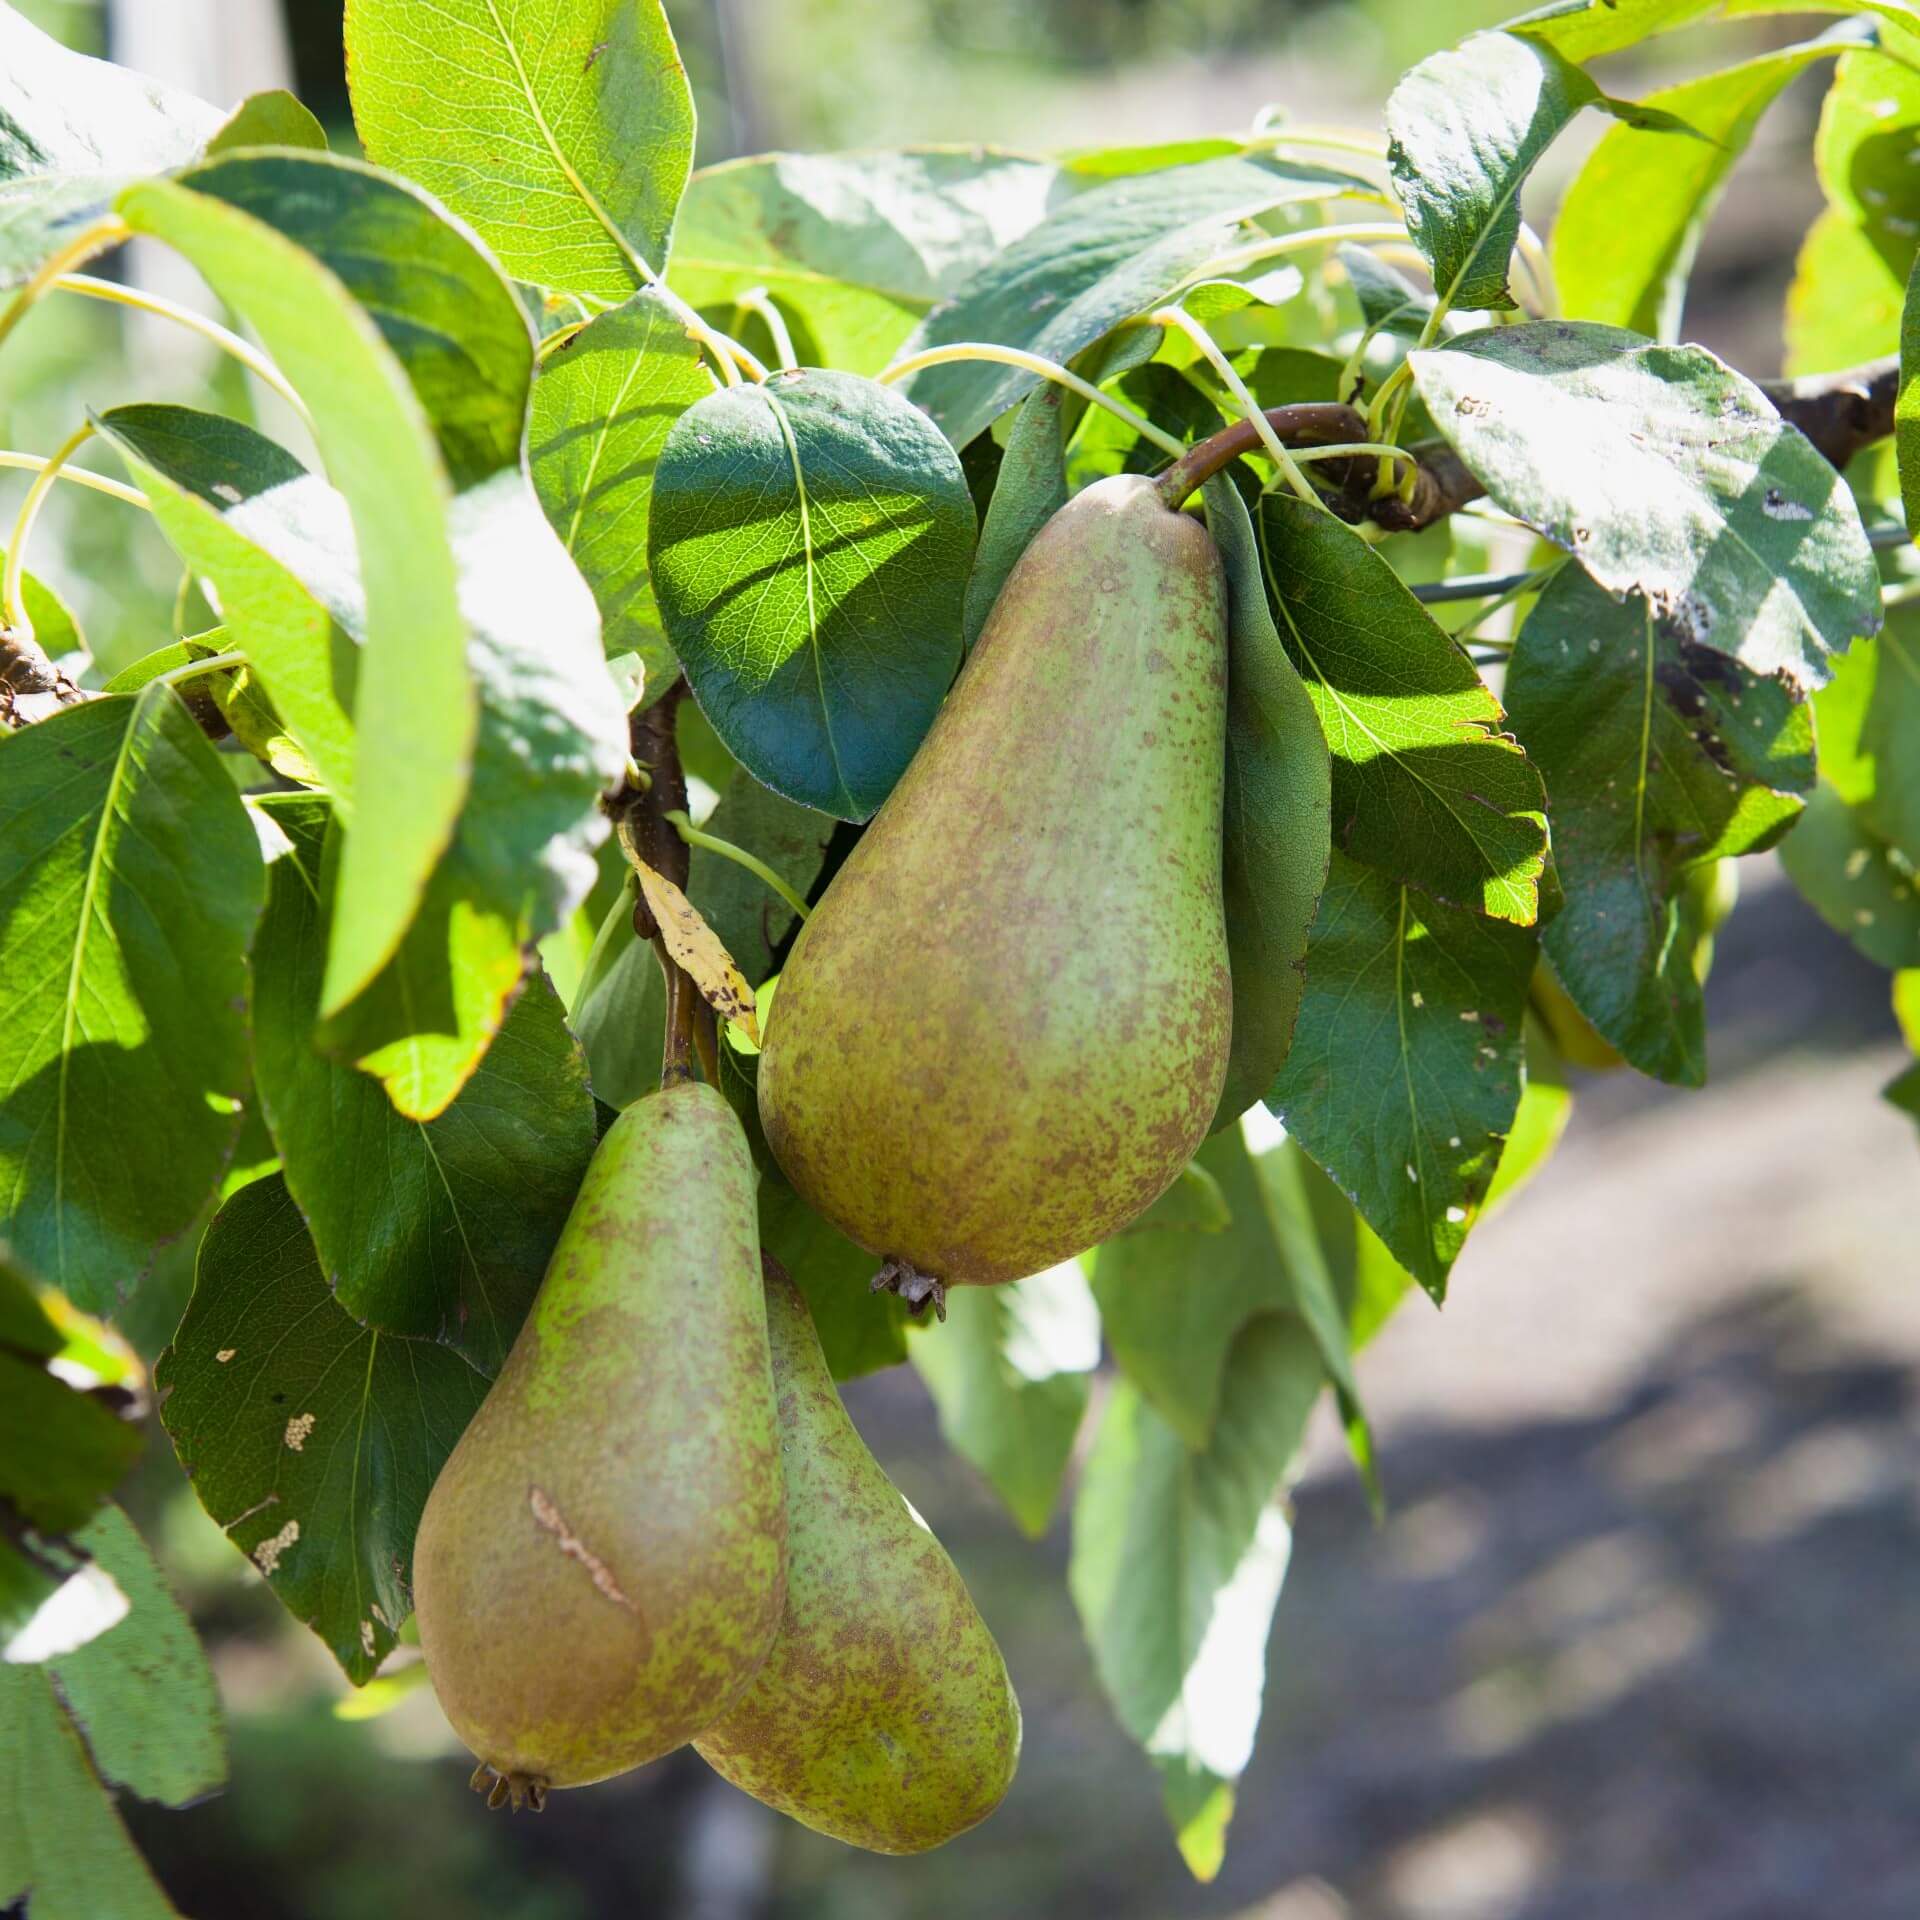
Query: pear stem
[(642, 818), (1323, 422)]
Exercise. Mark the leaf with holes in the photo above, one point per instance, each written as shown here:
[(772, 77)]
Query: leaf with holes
[(130, 884), (1661, 756), (311, 1439), (1665, 471), (1426, 786), (1406, 1063), (564, 134), (441, 1229), (810, 543)]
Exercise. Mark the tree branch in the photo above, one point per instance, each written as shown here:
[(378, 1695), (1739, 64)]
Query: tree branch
[(1840, 413)]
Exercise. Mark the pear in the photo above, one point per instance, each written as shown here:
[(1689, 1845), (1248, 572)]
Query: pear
[(600, 1568), (1004, 1030), (884, 1715)]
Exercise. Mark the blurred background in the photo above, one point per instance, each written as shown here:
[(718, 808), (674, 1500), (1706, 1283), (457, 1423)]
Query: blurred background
[(1640, 1635)]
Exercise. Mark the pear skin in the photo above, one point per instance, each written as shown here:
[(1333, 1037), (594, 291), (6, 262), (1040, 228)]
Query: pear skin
[(884, 1715), (600, 1568), (1004, 1030)]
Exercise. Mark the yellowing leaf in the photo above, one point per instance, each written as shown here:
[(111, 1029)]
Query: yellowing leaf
[(696, 947)]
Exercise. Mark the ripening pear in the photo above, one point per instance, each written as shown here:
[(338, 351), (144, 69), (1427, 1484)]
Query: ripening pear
[(1004, 1031), (600, 1569), (884, 1715)]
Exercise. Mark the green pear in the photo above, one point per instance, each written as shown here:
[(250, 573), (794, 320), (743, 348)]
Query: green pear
[(600, 1569), (884, 1715), (1004, 1030)]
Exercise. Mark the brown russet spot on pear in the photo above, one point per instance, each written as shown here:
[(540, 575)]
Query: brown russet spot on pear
[(1004, 1030), (883, 1715), (600, 1568)]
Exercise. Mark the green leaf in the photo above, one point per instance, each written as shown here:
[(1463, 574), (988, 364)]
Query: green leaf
[(1844, 303), (1426, 786), (1405, 1069), (1030, 490), (1906, 416), (312, 1440), (55, 630), (564, 134), (24, 1326), (1176, 1567), (1104, 444), (130, 884), (73, 131), (1278, 815), (141, 1694), (270, 118), (553, 738), (1009, 1370), (1389, 302), (809, 545), (1107, 255), (1661, 757), (1172, 1304), (415, 742), (61, 1451), (61, 1843), (447, 313), (1859, 885), (1585, 29), (1734, 528), (860, 1331), (1633, 271), (1193, 1204), (601, 410), (231, 502), (854, 247), (1464, 129), (1869, 725), (440, 1230)]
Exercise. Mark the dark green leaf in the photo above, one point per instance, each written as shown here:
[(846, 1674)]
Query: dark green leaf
[(1426, 786), (440, 1230), (1177, 1562), (563, 134), (1389, 301), (1031, 489), (1109, 254), (130, 884), (1009, 1370), (1464, 130), (61, 1451), (1661, 757), (601, 410), (1405, 1069), (311, 1439), (1735, 529), (73, 131), (1632, 270), (1278, 815), (1104, 444), (809, 544), (854, 247)]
